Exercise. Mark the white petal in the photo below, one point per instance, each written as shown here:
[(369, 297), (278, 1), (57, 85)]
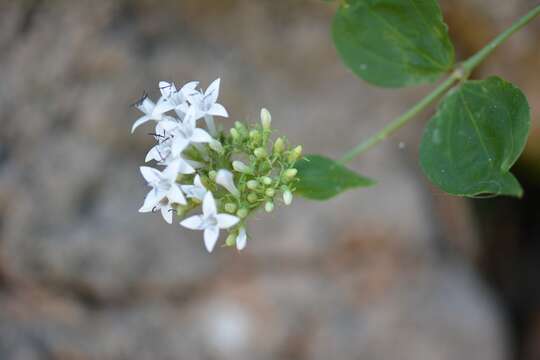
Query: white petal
[(179, 144), (209, 204), (193, 222), (146, 105), (151, 200), (201, 136), (139, 122), (212, 92), (211, 235), (225, 178), (185, 168), (166, 125), (153, 154), (241, 239), (225, 221), (198, 182), (166, 88), (175, 195), (218, 110), (151, 175), (189, 88), (167, 213), (162, 107)]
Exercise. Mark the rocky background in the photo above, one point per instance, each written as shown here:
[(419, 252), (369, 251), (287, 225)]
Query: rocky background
[(398, 271)]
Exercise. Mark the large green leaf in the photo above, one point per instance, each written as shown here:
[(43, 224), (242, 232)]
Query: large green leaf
[(393, 43), (322, 178), (478, 133)]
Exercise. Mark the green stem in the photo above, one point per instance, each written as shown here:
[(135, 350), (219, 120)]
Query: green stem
[(460, 74)]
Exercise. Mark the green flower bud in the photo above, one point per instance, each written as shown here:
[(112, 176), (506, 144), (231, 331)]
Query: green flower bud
[(241, 128), (252, 197), (269, 206), (266, 180), (212, 174), (287, 197), (241, 167), (231, 239), (295, 154), (255, 136), (216, 146), (230, 208), (260, 153), (242, 213), (252, 184), (289, 174), (234, 133), (270, 192), (266, 119), (279, 146)]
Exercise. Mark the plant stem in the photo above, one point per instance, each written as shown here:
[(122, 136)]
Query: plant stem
[(461, 73)]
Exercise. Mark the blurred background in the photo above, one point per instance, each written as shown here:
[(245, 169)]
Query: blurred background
[(398, 271)]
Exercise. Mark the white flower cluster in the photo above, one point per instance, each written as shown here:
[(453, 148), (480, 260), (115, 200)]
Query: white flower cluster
[(198, 167)]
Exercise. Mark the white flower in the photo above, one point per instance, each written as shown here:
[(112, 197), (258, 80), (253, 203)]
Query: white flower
[(241, 239), (206, 103), (197, 190), (164, 191), (210, 221), (184, 133), (151, 111), (178, 98), (225, 178)]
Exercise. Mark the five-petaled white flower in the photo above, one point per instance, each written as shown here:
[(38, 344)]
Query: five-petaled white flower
[(178, 98), (210, 221), (205, 103), (184, 133), (151, 111), (165, 190)]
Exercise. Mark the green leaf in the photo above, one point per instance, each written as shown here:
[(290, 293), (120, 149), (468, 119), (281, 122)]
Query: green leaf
[(478, 133), (393, 43), (322, 178)]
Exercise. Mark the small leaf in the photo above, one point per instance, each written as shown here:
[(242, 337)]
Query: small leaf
[(322, 178), (478, 133), (393, 43)]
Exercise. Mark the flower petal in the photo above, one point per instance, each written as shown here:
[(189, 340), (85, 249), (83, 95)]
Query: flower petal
[(151, 175), (241, 239), (212, 92), (153, 154), (175, 195), (218, 110), (167, 213), (200, 136), (225, 221), (146, 105), (139, 122), (211, 235), (162, 107), (209, 204), (179, 144), (151, 200), (167, 88), (225, 178), (193, 222)]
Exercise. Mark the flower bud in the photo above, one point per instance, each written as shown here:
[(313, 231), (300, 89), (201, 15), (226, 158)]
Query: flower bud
[(266, 119), (241, 128), (216, 146), (255, 136), (289, 174), (234, 134), (252, 184), (230, 208), (295, 154), (252, 197), (231, 240), (242, 213), (279, 146), (270, 192), (240, 167), (287, 197), (260, 153), (269, 206), (212, 175), (266, 180)]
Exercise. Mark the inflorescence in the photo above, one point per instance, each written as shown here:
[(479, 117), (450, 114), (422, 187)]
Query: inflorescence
[(228, 174)]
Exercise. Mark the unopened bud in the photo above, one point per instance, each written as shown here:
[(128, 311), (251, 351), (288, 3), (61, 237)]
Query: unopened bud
[(231, 240), (230, 208), (241, 128), (255, 136), (212, 174), (290, 173), (266, 180), (260, 153), (266, 119), (216, 146), (287, 197), (242, 213), (295, 154), (269, 206), (252, 184), (234, 133), (279, 145), (240, 167), (270, 192), (252, 197)]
